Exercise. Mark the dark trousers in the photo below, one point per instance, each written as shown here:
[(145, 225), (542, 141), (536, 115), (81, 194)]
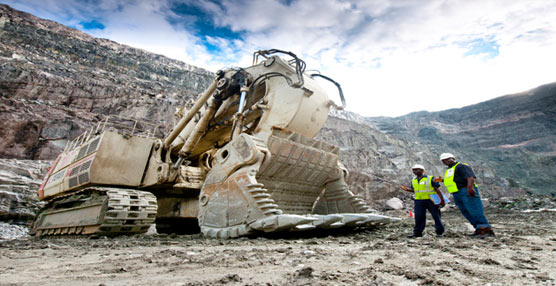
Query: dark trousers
[(420, 210)]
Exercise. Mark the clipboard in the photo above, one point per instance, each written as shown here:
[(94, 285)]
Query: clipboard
[(436, 199)]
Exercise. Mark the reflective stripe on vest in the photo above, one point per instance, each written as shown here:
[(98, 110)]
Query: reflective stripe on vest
[(422, 188), (449, 179)]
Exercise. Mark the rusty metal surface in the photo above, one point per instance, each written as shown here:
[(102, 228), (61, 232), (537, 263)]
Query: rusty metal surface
[(120, 160), (78, 216), (296, 173), (177, 207), (243, 195), (107, 159)]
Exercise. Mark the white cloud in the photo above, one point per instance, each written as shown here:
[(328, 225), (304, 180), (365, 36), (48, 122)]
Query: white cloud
[(391, 57), (395, 57)]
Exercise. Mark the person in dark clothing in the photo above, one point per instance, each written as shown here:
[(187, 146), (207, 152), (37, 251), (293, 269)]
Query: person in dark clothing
[(423, 186), (459, 180)]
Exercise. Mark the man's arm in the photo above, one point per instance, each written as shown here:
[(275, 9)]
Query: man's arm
[(471, 186), (410, 189), (437, 190), (436, 187), (406, 189), (466, 172)]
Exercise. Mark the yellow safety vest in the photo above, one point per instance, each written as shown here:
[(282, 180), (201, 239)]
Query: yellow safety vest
[(422, 188), (449, 179)]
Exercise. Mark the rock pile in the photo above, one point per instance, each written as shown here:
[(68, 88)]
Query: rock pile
[(12, 231), (527, 203)]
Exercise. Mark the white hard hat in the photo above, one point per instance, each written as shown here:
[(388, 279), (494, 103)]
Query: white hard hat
[(446, 156), (417, 166)]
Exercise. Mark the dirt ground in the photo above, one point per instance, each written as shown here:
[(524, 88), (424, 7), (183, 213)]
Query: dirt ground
[(523, 253)]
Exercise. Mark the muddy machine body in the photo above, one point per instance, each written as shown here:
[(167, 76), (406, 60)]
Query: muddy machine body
[(241, 160)]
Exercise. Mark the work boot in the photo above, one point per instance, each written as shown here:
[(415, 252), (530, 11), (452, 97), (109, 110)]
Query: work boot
[(415, 235), (439, 234), (475, 233), (486, 232)]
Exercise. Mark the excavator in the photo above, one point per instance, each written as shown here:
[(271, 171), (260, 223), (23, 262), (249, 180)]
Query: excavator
[(241, 161)]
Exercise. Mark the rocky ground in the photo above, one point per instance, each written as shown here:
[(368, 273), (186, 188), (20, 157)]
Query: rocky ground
[(523, 253)]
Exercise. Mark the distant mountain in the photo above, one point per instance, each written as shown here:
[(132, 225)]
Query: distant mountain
[(56, 82), (514, 134)]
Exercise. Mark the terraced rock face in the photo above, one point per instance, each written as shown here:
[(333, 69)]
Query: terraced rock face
[(379, 162), (56, 81), (19, 181), (513, 134)]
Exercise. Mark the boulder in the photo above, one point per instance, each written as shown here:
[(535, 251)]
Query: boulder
[(394, 204)]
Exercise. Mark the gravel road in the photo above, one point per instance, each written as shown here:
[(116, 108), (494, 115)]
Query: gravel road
[(523, 253)]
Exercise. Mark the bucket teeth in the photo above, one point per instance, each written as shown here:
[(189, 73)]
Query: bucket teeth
[(287, 222), (345, 219), (266, 201), (261, 195), (225, 232), (255, 185), (337, 225), (325, 221), (303, 227), (322, 221), (290, 222), (353, 219), (375, 219), (280, 222)]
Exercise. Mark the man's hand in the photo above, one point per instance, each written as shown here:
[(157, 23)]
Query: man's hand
[(442, 202), (471, 192), (470, 187), (405, 188), (438, 180)]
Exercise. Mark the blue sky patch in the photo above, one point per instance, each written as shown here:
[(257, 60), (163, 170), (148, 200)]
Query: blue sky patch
[(482, 46), (211, 47), (192, 16), (286, 2), (92, 25)]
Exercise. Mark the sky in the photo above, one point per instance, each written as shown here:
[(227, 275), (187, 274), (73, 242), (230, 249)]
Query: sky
[(390, 57)]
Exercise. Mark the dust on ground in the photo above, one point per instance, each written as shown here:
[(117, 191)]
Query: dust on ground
[(523, 253)]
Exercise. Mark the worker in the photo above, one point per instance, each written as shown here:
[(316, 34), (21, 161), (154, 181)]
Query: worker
[(459, 180), (423, 186)]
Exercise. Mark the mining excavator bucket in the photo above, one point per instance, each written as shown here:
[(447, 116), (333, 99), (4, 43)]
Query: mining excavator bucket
[(291, 183)]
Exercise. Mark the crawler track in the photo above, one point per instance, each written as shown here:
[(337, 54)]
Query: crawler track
[(103, 211)]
